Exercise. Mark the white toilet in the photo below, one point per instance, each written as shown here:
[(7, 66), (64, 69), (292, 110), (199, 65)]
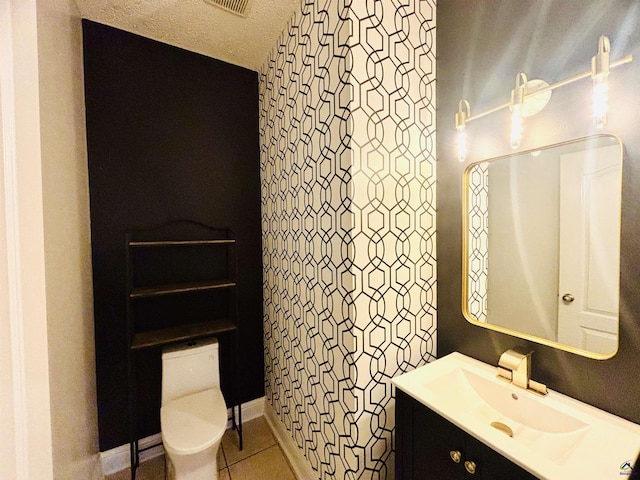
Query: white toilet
[(193, 416)]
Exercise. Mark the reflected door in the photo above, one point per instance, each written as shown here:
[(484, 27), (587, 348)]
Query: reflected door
[(589, 249)]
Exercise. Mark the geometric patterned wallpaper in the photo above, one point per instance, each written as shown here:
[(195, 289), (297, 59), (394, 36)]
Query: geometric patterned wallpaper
[(478, 240), (306, 233), (347, 127), (394, 182)]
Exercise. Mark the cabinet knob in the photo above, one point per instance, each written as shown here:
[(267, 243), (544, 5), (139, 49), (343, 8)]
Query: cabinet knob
[(470, 466), (455, 455)]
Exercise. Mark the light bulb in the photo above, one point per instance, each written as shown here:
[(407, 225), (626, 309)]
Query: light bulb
[(462, 143), (600, 100), (464, 112), (517, 102), (600, 75), (516, 125)]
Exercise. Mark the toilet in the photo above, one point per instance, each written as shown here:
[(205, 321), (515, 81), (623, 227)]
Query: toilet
[(193, 415)]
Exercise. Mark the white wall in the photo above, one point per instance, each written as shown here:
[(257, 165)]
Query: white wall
[(25, 445), (67, 242)]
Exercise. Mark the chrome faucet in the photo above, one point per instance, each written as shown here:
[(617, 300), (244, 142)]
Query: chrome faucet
[(515, 367)]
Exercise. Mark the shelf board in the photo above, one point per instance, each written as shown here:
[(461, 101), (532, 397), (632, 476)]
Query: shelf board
[(182, 333), (174, 243), (180, 288)]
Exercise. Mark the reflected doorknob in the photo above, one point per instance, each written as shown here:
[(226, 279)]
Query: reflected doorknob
[(567, 298)]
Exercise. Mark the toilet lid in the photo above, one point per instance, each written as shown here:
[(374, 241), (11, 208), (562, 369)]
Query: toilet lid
[(194, 422)]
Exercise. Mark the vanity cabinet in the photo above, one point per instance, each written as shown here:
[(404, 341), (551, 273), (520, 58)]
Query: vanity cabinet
[(430, 447)]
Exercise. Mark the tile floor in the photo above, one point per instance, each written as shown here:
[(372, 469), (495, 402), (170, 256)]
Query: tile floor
[(260, 458)]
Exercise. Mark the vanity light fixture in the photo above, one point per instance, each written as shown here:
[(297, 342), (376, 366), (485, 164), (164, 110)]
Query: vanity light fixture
[(521, 104), (464, 112)]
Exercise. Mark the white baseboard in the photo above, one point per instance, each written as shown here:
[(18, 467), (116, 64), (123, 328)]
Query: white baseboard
[(253, 409), (118, 458), (300, 465)]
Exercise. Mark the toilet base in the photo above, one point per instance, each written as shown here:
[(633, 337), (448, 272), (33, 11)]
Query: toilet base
[(199, 466)]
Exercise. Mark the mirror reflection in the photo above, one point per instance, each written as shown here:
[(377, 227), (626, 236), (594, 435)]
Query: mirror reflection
[(542, 244)]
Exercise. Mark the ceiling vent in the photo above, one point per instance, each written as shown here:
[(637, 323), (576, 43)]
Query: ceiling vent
[(239, 7)]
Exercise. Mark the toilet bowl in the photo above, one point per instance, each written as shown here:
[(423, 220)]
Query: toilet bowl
[(192, 429), (193, 416)]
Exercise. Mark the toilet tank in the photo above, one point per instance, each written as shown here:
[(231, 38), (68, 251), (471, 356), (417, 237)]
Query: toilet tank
[(189, 367)]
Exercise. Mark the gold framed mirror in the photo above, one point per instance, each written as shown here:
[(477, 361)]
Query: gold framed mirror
[(541, 244)]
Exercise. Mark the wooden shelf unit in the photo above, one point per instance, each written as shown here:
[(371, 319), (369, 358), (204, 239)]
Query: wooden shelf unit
[(167, 239)]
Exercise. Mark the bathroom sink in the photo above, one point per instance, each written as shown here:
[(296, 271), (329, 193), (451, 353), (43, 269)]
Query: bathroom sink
[(523, 416), (552, 436)]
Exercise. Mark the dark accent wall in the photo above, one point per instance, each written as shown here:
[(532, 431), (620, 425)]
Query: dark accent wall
[(171, 135), (480, 51)]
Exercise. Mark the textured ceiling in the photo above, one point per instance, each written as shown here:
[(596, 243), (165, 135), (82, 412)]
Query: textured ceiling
[(199, 26)]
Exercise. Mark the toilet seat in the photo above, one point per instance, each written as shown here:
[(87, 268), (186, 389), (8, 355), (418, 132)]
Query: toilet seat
[(192, 423)]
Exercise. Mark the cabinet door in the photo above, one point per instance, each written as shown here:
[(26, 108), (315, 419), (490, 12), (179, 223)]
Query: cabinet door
[(492, 465), (424, 442), (436, 440)]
